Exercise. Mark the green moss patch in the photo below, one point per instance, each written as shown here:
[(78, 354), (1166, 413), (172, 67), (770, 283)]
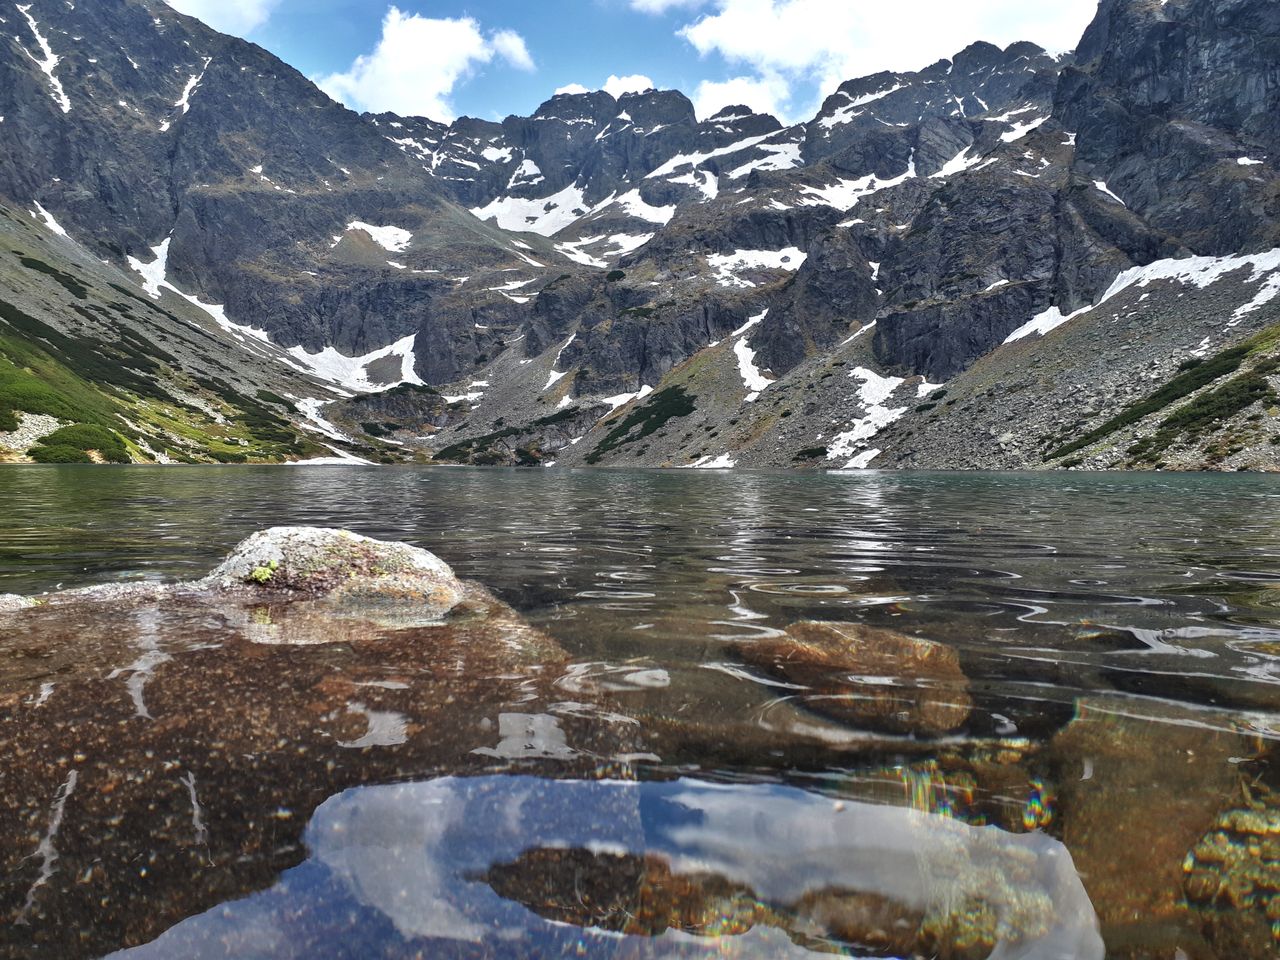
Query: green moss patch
[(1193, 378), (60, 454), (1210, 409), (81, 437), (647, 419), (68, 282), (478, 449)]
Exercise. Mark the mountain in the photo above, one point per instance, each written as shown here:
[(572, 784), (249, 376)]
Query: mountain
[(1007, 259)]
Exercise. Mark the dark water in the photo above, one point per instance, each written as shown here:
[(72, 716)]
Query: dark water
[(1087, 772)]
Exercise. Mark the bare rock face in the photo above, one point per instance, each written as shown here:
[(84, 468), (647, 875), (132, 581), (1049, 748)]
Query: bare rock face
[(876, 679)]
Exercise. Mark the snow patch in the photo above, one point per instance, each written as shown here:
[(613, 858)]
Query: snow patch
[(49, 222), (155, 279), (872, 394), (546, 216), (617, 245), (1102, 186), (962, 161), (849, 111), (845, 194), (352, 373), (697, 159), (1042, 323), (310, 408), (1199, 272), (184, 102), (706, 181), (727, 265), (636, 206), (622, 399), (527, 174), (50, 62), (391, 239), (722, 462), (755, 382), (779, 156), (1021, 129)]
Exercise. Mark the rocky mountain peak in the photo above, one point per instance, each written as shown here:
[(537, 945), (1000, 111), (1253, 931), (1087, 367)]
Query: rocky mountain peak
[(546, 270)]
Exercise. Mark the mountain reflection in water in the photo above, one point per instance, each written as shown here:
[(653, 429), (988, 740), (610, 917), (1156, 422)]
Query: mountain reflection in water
[(756, 715)]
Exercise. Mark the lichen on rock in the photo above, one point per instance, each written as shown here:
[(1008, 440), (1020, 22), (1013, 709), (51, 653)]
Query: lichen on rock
[(317, 560)]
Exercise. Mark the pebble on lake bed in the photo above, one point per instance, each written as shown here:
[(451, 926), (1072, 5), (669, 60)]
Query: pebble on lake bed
[(874, 678)]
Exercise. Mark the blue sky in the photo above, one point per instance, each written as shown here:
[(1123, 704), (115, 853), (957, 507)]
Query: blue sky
[(491, 58)]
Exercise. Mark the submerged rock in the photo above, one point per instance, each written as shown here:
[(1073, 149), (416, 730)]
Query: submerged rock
[(155, 718), (1138, 787), (1233, 877), (874, 678)]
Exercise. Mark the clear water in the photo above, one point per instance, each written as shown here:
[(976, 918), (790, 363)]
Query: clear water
[(654, 788)]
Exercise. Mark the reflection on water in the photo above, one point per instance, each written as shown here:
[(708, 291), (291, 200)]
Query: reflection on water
[(758, 715), (470, 867)]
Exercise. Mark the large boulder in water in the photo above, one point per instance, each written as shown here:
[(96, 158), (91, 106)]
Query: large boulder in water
[(315, 561), (873, 678), (303, 585), (313, 585)]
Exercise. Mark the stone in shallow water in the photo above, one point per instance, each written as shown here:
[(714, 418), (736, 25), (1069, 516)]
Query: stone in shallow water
[(1139, 784), (324, 586), (877, 679), (319, 561), (302, 585), (1233, 877), (312, 585)]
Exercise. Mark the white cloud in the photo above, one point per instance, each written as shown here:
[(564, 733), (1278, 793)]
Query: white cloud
[(511, 47), (615, 86), (636, 83), (835, 40), (765, 94), (418, 63), (229, 16)]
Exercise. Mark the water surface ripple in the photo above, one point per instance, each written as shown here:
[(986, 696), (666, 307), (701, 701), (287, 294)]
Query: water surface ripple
[(1110, 645)]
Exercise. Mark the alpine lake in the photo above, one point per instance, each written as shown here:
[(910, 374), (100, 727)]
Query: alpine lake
[(729, 714)]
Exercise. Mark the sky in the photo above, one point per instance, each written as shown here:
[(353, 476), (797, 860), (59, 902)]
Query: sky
[(492, 58)]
